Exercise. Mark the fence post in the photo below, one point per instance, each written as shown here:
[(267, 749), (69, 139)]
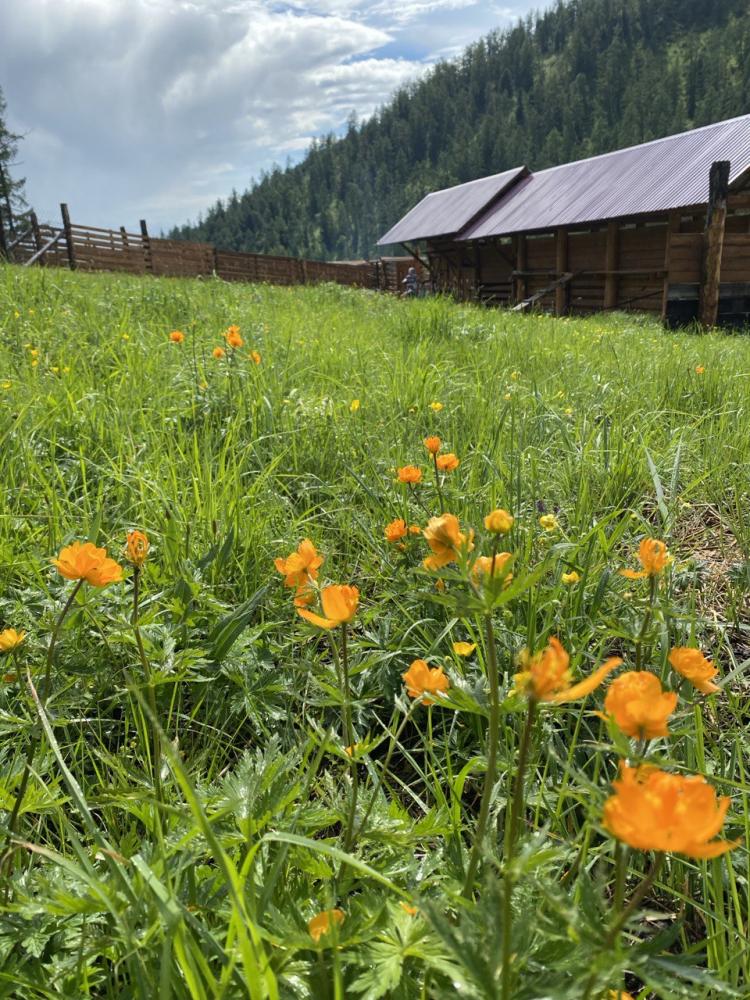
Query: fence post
[(68, 236), (713, 242), (37, 235), (148, 259)]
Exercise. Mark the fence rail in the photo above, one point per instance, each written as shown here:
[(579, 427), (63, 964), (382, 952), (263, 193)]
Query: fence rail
[(91, 248)]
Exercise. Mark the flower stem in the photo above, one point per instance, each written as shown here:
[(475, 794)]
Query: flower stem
[(646, 622), (622, 917), (516, 815), (32, 747), (437, 483), (156, 754), (381, 777), (349, 730), (53, 641), (490, 775)]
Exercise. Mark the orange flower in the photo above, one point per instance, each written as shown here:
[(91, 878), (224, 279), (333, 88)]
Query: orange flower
[(652, 810), (396, 530), (414, 529), (638, 705), (653, 557), (483, 567), (137, 548), (322, 923), (299, 568), (499, 522), (233, 338), (177, 336), (84, 561), (340, 604), (409, 474), (219, 353), (10, 640), (446, 540), (421, 679), (546, 675), (447, 462), (411, 910), (691, 663), (464, 648), (620, 995), (432, 444), (255, 356), (699, 369)]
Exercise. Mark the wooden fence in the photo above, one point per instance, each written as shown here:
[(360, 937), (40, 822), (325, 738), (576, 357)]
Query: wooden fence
[(88, 248)]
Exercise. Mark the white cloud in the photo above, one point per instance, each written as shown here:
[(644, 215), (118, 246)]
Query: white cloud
[(161, 106)]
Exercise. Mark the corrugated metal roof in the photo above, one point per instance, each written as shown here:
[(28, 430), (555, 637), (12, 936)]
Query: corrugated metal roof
[(653, 177), (446, 212)]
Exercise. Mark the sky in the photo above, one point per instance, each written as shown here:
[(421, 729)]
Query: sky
[(153, 109)]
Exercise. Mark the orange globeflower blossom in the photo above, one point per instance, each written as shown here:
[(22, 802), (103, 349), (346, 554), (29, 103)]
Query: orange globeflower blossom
[(137, 548), (177, 336), (483, 566), (433, 444), (499, 522), (446, 539), (652, 810), (396, 530), (546, 675), (447, 462), (339, 603), (84, 561), (415, 529), (699, 369), (301, 566), (10, 639), (693, 665), (653, 557), (409, 474), (464, 648), (233, 338), (219, 353), (322, 923), (255, 356), (636, 702), (421, 679), (620, 995)]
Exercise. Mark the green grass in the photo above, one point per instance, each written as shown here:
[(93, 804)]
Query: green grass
[(205, 890)]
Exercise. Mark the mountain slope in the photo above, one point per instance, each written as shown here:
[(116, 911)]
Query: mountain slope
[(583, 78)]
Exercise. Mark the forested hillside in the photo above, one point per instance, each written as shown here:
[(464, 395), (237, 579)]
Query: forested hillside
[(583, 78)]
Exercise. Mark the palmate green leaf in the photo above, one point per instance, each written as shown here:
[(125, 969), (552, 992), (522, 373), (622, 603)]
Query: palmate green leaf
[(385, 960)]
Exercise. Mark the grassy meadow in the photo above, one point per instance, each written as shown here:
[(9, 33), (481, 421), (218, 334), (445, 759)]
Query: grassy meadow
[(205, 795)]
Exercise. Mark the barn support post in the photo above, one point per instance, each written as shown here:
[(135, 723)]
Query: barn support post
[(673, 226), (68, 236), (713, 242), (612, 255), (561, 266), (520, 256), (148, 260)]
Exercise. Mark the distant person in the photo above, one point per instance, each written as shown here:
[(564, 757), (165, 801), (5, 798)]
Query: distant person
[(411, 282)]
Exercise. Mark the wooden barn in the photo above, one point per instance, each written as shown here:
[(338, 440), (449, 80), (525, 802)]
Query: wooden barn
[(662, 227)]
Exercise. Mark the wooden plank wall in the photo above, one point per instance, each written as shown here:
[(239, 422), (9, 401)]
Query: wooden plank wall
[(96, 249), (626, 264)]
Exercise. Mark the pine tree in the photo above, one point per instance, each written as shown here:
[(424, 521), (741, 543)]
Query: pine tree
[(12, 202)]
